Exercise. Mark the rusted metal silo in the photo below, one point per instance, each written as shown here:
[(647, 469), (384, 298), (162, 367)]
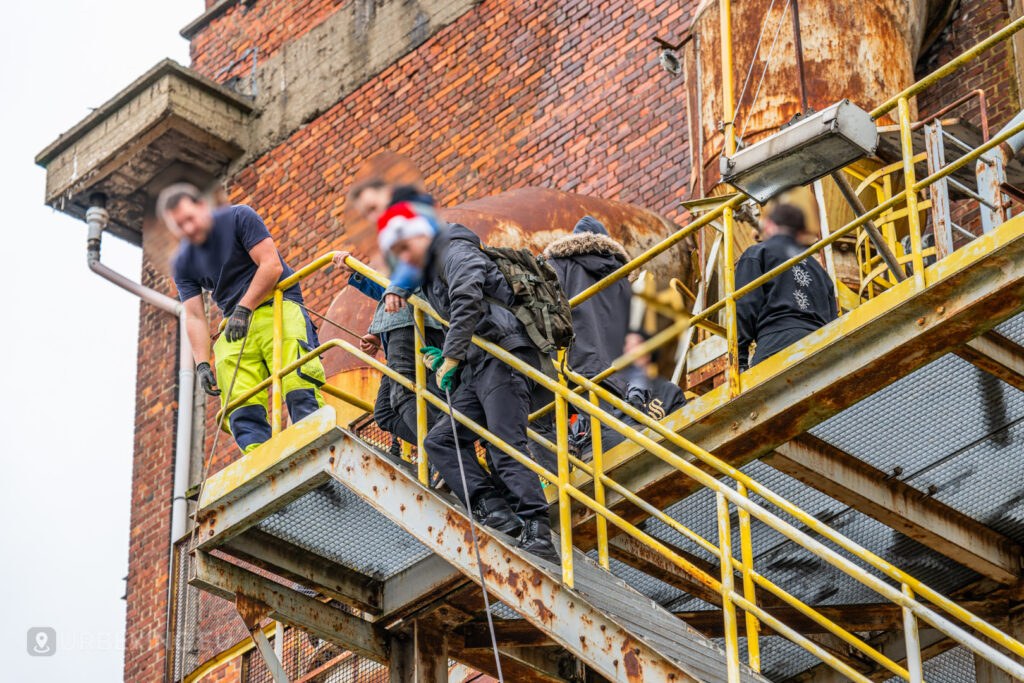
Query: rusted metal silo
[(861, 51)]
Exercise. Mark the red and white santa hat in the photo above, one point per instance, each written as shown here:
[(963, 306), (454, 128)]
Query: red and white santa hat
[(402, 221)]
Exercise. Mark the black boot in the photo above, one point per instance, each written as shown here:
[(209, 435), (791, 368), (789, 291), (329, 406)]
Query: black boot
[(492, 510), (536, 539)]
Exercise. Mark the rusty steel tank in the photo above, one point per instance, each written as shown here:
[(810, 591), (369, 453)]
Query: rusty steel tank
[(526, 217), (862, 51)]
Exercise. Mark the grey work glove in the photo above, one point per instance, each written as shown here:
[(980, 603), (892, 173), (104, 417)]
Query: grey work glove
[(207, 379), (238, 324)]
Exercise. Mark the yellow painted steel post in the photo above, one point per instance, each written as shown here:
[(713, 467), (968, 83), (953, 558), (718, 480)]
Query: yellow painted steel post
[(732, 650), (275, 372), (747, 555), (564, 505), (913, 216), (598, 465), (729, 148), (914, 664), (423, 467)]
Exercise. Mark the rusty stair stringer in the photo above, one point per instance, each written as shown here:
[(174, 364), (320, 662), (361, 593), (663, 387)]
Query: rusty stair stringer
[(617, 631)]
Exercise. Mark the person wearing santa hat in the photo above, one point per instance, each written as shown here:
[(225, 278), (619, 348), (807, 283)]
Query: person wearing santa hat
[(466, 288)]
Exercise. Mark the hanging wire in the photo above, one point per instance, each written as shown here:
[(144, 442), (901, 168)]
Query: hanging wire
[(753, 58), (767, 61)]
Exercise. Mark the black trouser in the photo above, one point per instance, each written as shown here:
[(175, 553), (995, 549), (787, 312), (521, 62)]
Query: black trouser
[(770, 343), (400, 413), (497, 397), (386, 417)]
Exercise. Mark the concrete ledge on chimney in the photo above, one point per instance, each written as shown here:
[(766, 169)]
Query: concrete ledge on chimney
[(170, 124)]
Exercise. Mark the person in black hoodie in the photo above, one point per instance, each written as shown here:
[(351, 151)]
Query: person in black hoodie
[(456, 278), (791, 305)]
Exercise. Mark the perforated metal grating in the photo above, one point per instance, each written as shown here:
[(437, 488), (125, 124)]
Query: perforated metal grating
[(335, 523), (952, 666), (945, 406), (791, 566), (1013, 329)]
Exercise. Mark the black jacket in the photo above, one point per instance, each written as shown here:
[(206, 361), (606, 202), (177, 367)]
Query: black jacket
[(801, 298), (601, 322), (469, 276)]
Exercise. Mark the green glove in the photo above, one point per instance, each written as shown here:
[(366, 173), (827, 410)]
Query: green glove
[(445, 376), (432, 357)]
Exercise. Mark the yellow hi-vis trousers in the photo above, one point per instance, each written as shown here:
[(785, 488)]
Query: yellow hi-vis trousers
[(248, 422)]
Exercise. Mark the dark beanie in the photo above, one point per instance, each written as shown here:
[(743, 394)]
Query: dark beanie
[(590, 224)]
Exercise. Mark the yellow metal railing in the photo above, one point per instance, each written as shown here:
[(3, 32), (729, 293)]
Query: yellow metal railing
[(731, 486)]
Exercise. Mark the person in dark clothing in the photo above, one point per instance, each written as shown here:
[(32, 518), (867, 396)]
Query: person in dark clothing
[(392, 325), (581, 258), (648, 391), (790, 306), (457, 276)]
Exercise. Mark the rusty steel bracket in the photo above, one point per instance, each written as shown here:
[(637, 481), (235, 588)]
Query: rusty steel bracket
[(850, 195), (253, 611)]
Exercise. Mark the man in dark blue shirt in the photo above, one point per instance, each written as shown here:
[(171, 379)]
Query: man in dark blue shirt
[(789, 306), (230, 253)]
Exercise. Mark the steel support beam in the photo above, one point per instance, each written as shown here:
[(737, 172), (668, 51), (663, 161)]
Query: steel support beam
[(632, 552), (419, 586), (996, 355), (514, 667), (430, 654), (510, 633), (529, 586), (899, 506), (301, 566), (227, 581), (884, 339)]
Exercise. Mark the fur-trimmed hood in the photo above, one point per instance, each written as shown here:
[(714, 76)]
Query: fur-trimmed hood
[(584, 244)]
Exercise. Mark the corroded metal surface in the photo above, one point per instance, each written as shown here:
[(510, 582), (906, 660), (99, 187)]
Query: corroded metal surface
[(614, 629), (860, 51)]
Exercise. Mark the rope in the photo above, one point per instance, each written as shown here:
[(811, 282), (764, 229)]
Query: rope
[(472, 524), (331, 322), (767, 61)]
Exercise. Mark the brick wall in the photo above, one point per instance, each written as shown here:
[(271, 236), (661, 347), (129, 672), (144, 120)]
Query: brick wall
[(993, 71), (554, 94), (264, 24)]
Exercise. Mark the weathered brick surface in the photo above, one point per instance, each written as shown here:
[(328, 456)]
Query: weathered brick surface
[(265, 24), (564, 94), (993, 71)]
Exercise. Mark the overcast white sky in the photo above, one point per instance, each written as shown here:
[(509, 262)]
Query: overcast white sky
[(67, 342)]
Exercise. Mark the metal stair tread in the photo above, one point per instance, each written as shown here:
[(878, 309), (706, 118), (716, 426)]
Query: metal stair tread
[(650, 621)]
